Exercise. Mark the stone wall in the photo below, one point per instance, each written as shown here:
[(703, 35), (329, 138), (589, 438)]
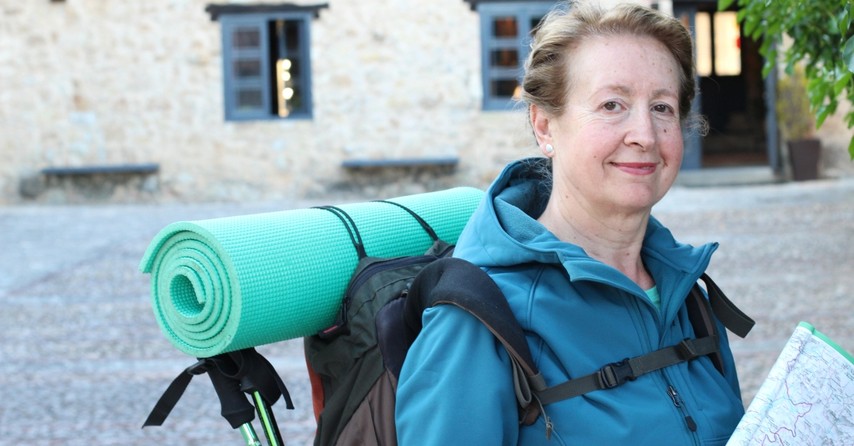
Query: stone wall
[(92, 82)]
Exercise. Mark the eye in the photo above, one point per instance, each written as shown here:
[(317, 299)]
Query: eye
[(611, 105), (663, 108)]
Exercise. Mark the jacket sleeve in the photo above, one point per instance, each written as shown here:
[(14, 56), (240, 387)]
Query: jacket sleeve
[(455, 387)]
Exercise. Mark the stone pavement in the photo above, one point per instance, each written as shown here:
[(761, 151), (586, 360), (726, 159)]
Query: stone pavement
[(82, 360)]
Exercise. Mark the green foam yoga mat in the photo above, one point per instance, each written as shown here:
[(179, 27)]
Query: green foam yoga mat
[(230, 283)]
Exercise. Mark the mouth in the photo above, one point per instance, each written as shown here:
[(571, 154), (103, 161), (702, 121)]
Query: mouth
[(636, 168)]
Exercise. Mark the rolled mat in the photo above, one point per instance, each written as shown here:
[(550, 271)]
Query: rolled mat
[(230, 283)]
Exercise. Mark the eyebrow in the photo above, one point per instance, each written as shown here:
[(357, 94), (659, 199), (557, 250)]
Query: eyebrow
[(622, 89)]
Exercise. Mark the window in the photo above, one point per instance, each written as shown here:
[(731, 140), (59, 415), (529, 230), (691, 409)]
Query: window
[(718, 40), (506, 29), (266, 63)]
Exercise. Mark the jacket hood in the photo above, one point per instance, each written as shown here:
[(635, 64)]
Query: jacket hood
[(504, 232)]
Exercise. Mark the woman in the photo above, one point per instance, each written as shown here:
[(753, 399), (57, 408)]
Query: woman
[(591, 277)]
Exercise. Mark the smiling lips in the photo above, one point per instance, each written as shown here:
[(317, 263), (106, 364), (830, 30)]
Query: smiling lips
[(636, 168)]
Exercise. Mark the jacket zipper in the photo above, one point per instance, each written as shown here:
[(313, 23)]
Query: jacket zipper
[(658, 317), (374, 268), (671, 391), (677, 401)]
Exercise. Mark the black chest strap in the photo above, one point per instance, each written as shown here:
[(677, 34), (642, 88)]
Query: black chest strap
[(701, 312), (629, 369)]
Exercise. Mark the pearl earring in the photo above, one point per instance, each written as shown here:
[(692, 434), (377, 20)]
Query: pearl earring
[(549, 149)]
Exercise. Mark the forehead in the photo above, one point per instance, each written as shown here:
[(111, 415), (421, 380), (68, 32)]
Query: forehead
[(622, 62)]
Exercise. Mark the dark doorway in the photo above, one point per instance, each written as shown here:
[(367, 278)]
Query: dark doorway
[(732, 90)]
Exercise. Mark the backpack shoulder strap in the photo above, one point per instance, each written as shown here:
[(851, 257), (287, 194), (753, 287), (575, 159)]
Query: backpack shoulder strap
[(702, 312), (703, 320), (454, 281)]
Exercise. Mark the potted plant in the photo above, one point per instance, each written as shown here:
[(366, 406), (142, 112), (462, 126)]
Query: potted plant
[(797, 125)]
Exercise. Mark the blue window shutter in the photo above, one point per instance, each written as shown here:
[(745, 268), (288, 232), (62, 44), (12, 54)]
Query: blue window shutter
[(246, 69), (503, 54)]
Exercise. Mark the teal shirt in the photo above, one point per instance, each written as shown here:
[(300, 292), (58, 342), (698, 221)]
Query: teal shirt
[(654, 297)]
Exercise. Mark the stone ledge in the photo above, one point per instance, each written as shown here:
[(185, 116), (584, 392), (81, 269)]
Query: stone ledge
[(374, 163), (61, 171)]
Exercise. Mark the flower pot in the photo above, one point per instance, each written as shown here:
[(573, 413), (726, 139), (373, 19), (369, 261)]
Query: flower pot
[(804, 155)]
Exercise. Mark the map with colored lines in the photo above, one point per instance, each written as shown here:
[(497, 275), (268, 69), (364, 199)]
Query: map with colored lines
[(807, 399)]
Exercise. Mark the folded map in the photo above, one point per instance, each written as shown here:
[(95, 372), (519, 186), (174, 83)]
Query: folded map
[(807, 399)]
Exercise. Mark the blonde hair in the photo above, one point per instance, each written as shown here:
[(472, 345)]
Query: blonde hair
[(546, 82)]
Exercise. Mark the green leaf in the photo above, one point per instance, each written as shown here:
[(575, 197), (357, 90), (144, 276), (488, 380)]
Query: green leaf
[(851, 149), (840, 84), (818, 100), (843, 21), (766, 69), (848, 54), (823, 113), (724, 4), (767, 50), (750, 27), (833, 24)]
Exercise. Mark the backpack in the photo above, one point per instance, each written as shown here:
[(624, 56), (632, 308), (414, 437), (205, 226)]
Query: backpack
[(354, 364)]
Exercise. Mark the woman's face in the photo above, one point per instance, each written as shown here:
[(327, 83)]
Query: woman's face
[(618, 144)]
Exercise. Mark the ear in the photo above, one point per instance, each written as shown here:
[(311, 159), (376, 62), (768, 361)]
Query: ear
[(540, 124)]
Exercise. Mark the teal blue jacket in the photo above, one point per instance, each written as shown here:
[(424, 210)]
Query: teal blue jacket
[(579, 314)]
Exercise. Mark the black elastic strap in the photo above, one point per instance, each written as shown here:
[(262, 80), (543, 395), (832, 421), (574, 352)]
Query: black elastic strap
[(231, 374), (727, 312), (174, 392), (352, 230), (427, 228), (618, 373), (234, 406)]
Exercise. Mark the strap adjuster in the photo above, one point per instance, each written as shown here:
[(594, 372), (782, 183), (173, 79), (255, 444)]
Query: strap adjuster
[(686, 351), (198, 368), (615, 374)]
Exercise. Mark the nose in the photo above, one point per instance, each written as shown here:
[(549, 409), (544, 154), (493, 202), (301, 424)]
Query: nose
[(640, 131)]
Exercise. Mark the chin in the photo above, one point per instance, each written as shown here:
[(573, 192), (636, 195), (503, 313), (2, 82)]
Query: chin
[(640, 200)]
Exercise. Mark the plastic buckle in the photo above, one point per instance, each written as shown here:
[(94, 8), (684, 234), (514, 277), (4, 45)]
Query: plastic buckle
[(615, 374), (685, 350)]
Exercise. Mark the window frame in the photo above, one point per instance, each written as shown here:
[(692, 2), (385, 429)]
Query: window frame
[(232, 84), (523, 12)]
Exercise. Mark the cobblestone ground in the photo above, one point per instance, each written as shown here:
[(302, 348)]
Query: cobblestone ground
[(82, 360)]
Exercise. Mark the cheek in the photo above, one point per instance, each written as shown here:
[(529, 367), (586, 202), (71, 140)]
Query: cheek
[(673, 158), (671, 143)]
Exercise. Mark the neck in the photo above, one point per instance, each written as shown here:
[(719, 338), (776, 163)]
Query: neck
[(610, 237)]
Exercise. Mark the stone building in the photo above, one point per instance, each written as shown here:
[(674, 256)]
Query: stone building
[(194, 101)]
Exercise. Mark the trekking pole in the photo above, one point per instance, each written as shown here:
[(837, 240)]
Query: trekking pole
[(268, 420), (249, 435)]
